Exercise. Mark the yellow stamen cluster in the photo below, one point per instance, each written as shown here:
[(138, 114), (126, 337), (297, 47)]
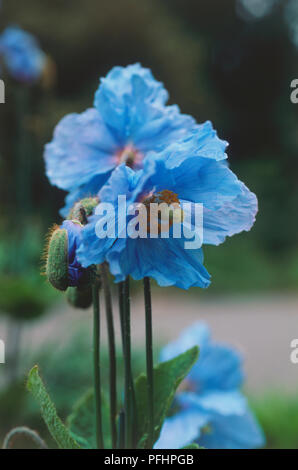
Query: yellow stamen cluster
[(169, 211)]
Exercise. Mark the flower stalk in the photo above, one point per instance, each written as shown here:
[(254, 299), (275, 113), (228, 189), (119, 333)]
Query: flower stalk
[(112, 353), (124, 304), (96, 358), (149, 361)]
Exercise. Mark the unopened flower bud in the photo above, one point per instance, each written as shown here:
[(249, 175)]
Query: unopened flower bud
[(79, 297), (63, 270), (83, 209), (57, 259)]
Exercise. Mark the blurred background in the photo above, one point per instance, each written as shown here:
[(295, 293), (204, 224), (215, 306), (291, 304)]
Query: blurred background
[(228, 61)]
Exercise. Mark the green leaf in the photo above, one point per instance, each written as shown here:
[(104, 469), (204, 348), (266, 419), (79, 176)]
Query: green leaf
[(81, 422), (167, 377), (192, 446), (48, 411)]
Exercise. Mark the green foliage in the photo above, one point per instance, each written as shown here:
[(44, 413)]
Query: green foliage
[(193, 446), (57, 429), (167, 377), (22, 297), (81, 422), (277, 414)]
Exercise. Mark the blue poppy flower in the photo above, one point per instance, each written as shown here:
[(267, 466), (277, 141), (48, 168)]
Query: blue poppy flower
[(181, 174), (218, 368), (210, 409), (75, 270), (21, 54), (129, 119)]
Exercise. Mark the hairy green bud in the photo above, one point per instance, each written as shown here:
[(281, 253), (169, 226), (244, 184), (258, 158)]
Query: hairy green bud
[(57, 259)]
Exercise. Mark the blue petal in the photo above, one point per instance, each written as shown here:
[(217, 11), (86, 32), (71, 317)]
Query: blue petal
[(93, 249), (198, 334), (207, 182), (167, 126), (121, 183), (201, 142), (75, 270), (22, 55), (165, 260), (181, 429), (233, 432), (219, 367), (219, 402), (132, 103), (233, 217), (82, 148), (124, 181)]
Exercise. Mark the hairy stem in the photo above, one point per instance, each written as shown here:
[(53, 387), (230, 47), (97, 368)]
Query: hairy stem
[(112, 353)]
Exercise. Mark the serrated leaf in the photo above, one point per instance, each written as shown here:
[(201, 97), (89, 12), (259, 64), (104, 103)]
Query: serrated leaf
[(81, 422), (55, 426), (167, 377)]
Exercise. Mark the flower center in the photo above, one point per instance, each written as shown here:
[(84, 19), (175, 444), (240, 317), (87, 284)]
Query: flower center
[(162, 210), (166, 196), (130, 156)]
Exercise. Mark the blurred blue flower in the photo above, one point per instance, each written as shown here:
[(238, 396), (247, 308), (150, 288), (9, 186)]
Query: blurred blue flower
[(75, 270), (209, 408), (21, 54), (190, 171), (129, 119)]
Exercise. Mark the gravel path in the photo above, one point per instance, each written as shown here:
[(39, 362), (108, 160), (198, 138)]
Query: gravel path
[(261, 327)]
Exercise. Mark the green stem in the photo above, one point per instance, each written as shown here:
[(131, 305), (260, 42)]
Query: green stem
[(96, 352), (112, 354), (121, 312), (121, 433), (124, 304), (149, 361), (127, 362)]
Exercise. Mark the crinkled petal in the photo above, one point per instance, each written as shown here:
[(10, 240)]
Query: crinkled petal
[(233, 217), (121, 183), (82, 148), (165, 260), (167, 126), (132, 104), (202, 142), (206, 182)]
